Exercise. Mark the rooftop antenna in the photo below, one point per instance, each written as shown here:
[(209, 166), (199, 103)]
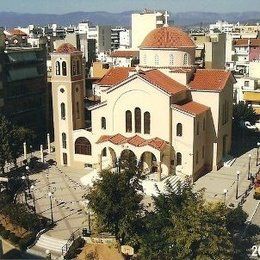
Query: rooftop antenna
[(166, 15)]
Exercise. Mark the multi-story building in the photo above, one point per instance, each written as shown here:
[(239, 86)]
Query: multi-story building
[(221, 27), (125, 39), (210, 50), (120, 38), (247, 87), (143, 23), (169, 116), (245, 51), (25, 87)]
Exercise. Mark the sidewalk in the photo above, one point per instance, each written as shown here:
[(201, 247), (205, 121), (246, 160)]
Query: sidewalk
[(216, 182)]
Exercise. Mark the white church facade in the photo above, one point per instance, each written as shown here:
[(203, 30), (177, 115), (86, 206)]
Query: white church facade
[(169, 115)]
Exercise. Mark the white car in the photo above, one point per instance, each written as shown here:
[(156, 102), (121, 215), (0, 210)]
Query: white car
[(248, 125)]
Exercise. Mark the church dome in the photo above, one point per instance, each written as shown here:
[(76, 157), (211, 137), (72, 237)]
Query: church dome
[(66, 48), (167, 37)]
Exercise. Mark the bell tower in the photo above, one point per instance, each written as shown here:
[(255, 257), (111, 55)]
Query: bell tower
[(68, 92)]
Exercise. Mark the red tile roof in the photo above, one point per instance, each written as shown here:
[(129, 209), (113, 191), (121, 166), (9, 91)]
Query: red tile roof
[(247, 42), (114, 76), (167, 37), (66, 48), (209, 80), (192, 107), (125, 54), (162, 81), (17, 32), (181, 69), (136, 140)]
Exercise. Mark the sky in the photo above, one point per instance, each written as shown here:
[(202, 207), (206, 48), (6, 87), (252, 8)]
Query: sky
[(114, 6)]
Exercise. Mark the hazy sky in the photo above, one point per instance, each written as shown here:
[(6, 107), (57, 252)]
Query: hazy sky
[(65, 6)]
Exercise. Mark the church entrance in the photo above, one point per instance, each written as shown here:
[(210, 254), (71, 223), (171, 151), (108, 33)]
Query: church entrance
[(127, 159), (148, 163)]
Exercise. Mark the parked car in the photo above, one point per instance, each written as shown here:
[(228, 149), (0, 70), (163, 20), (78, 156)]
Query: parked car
[(247, 125)]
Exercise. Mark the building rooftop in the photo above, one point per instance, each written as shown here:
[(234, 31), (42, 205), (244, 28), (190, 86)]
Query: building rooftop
[(162, 81), (209, 80), (246, 42), (66, 48), (167, 37), (125, 54), (114, 76), (192, 107), (135, 140)]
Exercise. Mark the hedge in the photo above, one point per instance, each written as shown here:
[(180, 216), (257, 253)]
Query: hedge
[(74, 249), (26, 241)]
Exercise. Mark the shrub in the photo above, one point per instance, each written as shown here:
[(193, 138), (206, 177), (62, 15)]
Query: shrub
[(74, 248), (1, 228), (5, 234), (26, 241)]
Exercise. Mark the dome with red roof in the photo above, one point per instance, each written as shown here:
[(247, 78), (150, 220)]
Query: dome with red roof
[(167, 37), (66, 48)]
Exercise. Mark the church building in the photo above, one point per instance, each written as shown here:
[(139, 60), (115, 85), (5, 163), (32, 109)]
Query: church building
[(170, 116)]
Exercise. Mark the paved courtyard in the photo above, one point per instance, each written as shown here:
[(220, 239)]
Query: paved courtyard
[(67, 192), (216, 182)]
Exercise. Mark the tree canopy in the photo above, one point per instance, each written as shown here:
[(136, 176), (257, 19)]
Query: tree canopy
[(116, 202), (11, 141), (181, 224), (244, 112)]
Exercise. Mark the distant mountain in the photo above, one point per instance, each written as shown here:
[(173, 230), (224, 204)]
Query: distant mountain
[(10, 19)]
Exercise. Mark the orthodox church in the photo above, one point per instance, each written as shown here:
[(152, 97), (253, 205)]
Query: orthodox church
[(170, 116)]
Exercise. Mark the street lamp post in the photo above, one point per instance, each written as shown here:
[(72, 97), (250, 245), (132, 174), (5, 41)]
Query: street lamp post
[(50, 196), (25, 194), (249, 167), (225, 195), (27, 179), (33, 198), (31, 150), (237, 181), (257, 153)]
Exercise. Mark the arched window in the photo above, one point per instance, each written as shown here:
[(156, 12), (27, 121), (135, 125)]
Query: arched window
[(78, 67), (104, 152), (179, 129), (171, 59), (103, 123), (62, 111), (137, 120), (156, 59), (185, 59), (147, 122), (82, 146), (64, 68), (74, 69), (128, 121), (57, 68), (179, 159), (64, 140)]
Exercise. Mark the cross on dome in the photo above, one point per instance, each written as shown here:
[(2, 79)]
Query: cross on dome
[(166, 15)]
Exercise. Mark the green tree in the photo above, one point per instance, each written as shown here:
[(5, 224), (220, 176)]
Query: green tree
[(18, 136), (11, 141), (115, 199), (243, 112), (184, 226), (5, 149)]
